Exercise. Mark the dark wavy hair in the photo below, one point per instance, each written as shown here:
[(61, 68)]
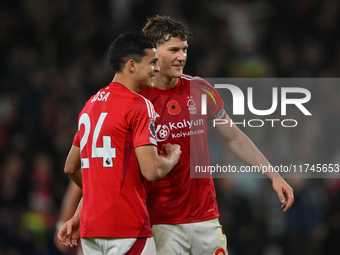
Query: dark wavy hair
[(162, 28)]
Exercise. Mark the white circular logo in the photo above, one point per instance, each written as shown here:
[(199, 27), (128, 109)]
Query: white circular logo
[(162, 133)]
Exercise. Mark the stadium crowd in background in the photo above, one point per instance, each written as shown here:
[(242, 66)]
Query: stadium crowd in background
[(54, 56)]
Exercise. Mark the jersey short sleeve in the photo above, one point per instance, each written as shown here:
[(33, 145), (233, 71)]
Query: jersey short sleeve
[(76, 139), (143, 128), (214, 104)]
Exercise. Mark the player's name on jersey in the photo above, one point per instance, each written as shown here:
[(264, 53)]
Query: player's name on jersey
[(100, 96)]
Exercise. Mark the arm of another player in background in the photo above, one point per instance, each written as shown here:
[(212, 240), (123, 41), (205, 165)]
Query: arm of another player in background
[(245, 149), (68, 207), (154, 166), (73, 165), (69, 232)]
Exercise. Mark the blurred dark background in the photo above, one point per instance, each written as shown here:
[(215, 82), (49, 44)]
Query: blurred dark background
[(54, 57)]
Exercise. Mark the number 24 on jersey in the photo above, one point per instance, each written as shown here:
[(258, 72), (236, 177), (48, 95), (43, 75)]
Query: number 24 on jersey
[(106, 152)]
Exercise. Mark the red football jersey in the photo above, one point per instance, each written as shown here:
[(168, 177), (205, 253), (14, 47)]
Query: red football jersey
[(114, 122), (177, 198)]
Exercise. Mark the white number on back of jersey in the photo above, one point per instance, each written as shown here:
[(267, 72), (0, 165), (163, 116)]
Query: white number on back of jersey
[(106, 152)]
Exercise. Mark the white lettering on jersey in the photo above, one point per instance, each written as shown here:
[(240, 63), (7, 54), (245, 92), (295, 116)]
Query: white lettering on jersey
[(100, 96), (164, 131), (185, 123)]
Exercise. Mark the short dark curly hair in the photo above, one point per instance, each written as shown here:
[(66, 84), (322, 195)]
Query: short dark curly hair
[(162, 28)]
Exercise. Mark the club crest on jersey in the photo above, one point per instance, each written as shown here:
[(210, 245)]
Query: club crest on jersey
[(152, 128), (191, 105), (173, 107)]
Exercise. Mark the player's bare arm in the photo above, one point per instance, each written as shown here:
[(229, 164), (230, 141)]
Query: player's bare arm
[(154, 166), (69, 232), (73, 165), (245, 149), (68, 207)]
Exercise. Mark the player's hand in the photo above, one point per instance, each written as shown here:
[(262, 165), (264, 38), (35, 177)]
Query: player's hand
[(172, 149), (59, 245), (285, 193), (69, 233), (161, 151)]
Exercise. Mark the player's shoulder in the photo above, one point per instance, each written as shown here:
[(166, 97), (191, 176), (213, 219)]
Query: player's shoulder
[(188, 77), (196, 81), (140, 99), (143, 104), (130, 98)]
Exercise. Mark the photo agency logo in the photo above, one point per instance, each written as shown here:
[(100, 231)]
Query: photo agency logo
[(282, 98)]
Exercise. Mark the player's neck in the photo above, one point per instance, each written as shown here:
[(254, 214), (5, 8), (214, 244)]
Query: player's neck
[(126, 82), (163, 82)]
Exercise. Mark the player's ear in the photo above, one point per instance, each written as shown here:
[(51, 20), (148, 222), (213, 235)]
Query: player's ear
[(131, 65)]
